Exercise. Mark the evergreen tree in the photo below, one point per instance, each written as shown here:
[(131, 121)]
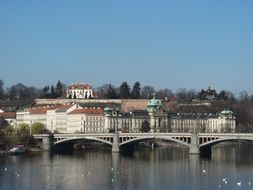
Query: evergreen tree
[(59, 89), (111, 93), (124, 90), (1, 89), (136, 92), (45, 92), (52, 92), (223, 95)]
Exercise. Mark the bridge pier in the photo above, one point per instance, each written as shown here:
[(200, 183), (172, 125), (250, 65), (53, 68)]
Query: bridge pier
[(48, 142), (115, 145), (194, 146)]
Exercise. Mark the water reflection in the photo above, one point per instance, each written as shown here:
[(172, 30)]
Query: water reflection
[(146, 168)]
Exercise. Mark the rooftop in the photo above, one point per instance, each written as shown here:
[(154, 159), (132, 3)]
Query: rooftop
[(79, 86), (8, 115), (88, 111)]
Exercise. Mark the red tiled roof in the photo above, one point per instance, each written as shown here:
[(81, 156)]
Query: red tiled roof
[(8, 115), (79, 86), (42, 110), (88, 111), (64, 107)]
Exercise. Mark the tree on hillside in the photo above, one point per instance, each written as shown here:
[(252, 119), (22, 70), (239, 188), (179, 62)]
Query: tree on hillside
[(102, 91), (21, 92), (164, 93), (223, 95), (136, 91), (39, 128), (23, 134), (59, 89), (45, 92), (12, 93), (181, 95), (244, 96), (1, 89), (124, 91), (111, 93), (147, 92), (52, 92), (6, 133), (191, 95)]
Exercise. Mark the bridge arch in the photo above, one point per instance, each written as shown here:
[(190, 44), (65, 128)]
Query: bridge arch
[(220, 140), (138, 139), (73, 140), (206, 147)]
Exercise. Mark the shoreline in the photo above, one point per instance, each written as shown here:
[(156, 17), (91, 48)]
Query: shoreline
[(4, 152)]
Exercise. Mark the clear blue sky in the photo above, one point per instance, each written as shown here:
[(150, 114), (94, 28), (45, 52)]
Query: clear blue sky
[(166, 44)]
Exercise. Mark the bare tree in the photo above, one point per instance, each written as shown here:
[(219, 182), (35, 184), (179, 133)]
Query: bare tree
[(164, 93), (147, 92)]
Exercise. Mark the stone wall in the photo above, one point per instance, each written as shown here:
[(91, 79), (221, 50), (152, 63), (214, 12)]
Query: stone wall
[(126, 104)]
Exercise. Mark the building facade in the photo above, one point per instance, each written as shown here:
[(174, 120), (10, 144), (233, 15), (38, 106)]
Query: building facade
[(202, 123), (153, 119), (73, 118), (86, 120), (79, 91), (9, 117)]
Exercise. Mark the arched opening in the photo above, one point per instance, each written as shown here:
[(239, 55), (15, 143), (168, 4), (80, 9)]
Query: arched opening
[(82, 144), (206, 149), (151, 142), (145, 127)]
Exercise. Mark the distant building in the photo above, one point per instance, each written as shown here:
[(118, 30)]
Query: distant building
[(79, 91), (158, 116), (73, 118), (10, 117), (202, 123), (53, 117), (208, 94), (86, 120), (153, 119)]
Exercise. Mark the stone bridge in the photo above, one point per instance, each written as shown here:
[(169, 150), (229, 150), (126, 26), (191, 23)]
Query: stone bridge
[(201, 142)]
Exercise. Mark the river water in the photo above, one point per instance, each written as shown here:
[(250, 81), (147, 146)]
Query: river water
[(229, 167)]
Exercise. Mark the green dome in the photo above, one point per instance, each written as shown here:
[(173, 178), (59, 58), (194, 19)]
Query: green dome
[(154, 103), (106, 109), (226, 112), (110, 109)]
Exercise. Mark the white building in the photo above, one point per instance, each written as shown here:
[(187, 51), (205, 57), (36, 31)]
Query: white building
[(86, 120), (70, 118), (79, 91), (190, 122), (10, 117), (32, 115), (57, 120), (53, 117)]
